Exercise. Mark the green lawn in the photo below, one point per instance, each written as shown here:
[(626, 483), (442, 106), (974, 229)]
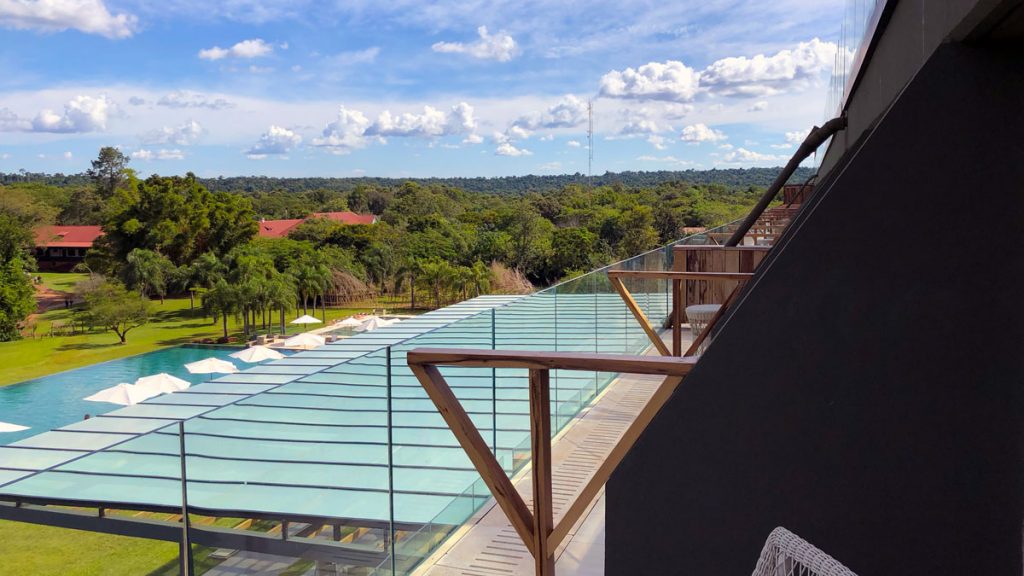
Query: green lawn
[(42, 550), (65, 282)]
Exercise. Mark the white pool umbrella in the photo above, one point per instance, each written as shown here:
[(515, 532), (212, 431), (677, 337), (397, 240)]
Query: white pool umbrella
[(374, 323), (8, 427), (257, 354), (211, 366), (163, 383), (306, 341), (123, 394), (307, 319), (350, 322)]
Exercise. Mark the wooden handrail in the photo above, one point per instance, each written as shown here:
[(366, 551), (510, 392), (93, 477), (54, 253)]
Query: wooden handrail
[(537, 529), (536, 360), (678, 275)]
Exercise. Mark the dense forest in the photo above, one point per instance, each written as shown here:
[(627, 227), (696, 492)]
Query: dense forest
[(730, 178), (436, 240)]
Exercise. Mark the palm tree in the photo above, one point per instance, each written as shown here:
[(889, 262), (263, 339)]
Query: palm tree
[(201, 274), (480, 278), (281, 294), (437, 277), (411, 269), (221, 301), (312, 278)]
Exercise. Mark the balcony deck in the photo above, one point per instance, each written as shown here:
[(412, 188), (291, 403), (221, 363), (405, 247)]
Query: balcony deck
[(487, 545)]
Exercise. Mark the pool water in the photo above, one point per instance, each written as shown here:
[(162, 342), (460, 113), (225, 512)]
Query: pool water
[(57, 400)]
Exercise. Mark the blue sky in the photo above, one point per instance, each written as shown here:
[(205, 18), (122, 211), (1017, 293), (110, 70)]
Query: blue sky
[(411, 88)]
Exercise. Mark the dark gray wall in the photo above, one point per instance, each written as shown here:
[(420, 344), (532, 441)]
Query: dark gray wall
[(866, 393), (919, 27)]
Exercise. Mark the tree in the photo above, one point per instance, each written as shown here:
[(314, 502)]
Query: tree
[(200, 275), (437, 276), (177, 217), (571, 249), (221, 301), (17, 296), (116, 308), (109, 171), (480, 277), (312, 278), (148, 272)]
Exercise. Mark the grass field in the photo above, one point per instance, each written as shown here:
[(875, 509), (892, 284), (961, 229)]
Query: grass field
[(172, 323), (28, 549)]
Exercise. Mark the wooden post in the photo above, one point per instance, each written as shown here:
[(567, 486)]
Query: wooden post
[(540, 438), (677, 317)]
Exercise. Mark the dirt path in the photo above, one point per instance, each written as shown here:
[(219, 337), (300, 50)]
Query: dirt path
[(48, 299)]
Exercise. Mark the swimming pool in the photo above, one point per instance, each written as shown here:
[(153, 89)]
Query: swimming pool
[(56, 400)]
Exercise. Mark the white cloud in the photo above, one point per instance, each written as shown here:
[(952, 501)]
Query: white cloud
[(253, 48), (759, 106), (88, 16), (137, 101), (346, 133), (671, 80), (796, 137), (568, 112), (11, 122), (697, 133), (68, 155), (743, 155), (473, 139), (182, 135), (162, 154), (432, 123), (550, 166), (657, 141), (665, 159), (275, 141), (508, 149), (637, 124), (500, 46), (4, 156), (573, 144), (190, 99), (762, 75), (355, 57), (81, 114)]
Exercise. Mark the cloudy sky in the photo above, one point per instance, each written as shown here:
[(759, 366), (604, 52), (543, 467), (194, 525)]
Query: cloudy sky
[(410, 87)]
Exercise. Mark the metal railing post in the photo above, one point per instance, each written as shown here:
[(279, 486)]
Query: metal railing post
[(391, 472), (186, 546)]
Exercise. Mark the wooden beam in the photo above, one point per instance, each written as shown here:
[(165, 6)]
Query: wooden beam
[(641, 318), (540, 441), (676, 274), (421, 358), (476, 448)]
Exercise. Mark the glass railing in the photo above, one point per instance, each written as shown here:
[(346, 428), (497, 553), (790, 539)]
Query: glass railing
[(414, 469)]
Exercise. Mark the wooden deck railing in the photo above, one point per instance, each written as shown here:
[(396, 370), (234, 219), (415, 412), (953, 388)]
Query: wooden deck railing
[(677, 278), (537, 529)]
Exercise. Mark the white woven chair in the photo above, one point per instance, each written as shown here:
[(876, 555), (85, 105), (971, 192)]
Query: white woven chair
[(786, 554)]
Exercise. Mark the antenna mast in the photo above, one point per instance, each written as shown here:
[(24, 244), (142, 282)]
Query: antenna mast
[(590, 143)]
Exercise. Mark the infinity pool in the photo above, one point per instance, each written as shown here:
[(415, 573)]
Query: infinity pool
[(56, 400)]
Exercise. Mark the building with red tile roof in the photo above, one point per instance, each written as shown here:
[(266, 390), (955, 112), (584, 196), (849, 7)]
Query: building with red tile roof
[(61, 247), (281, 228)]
